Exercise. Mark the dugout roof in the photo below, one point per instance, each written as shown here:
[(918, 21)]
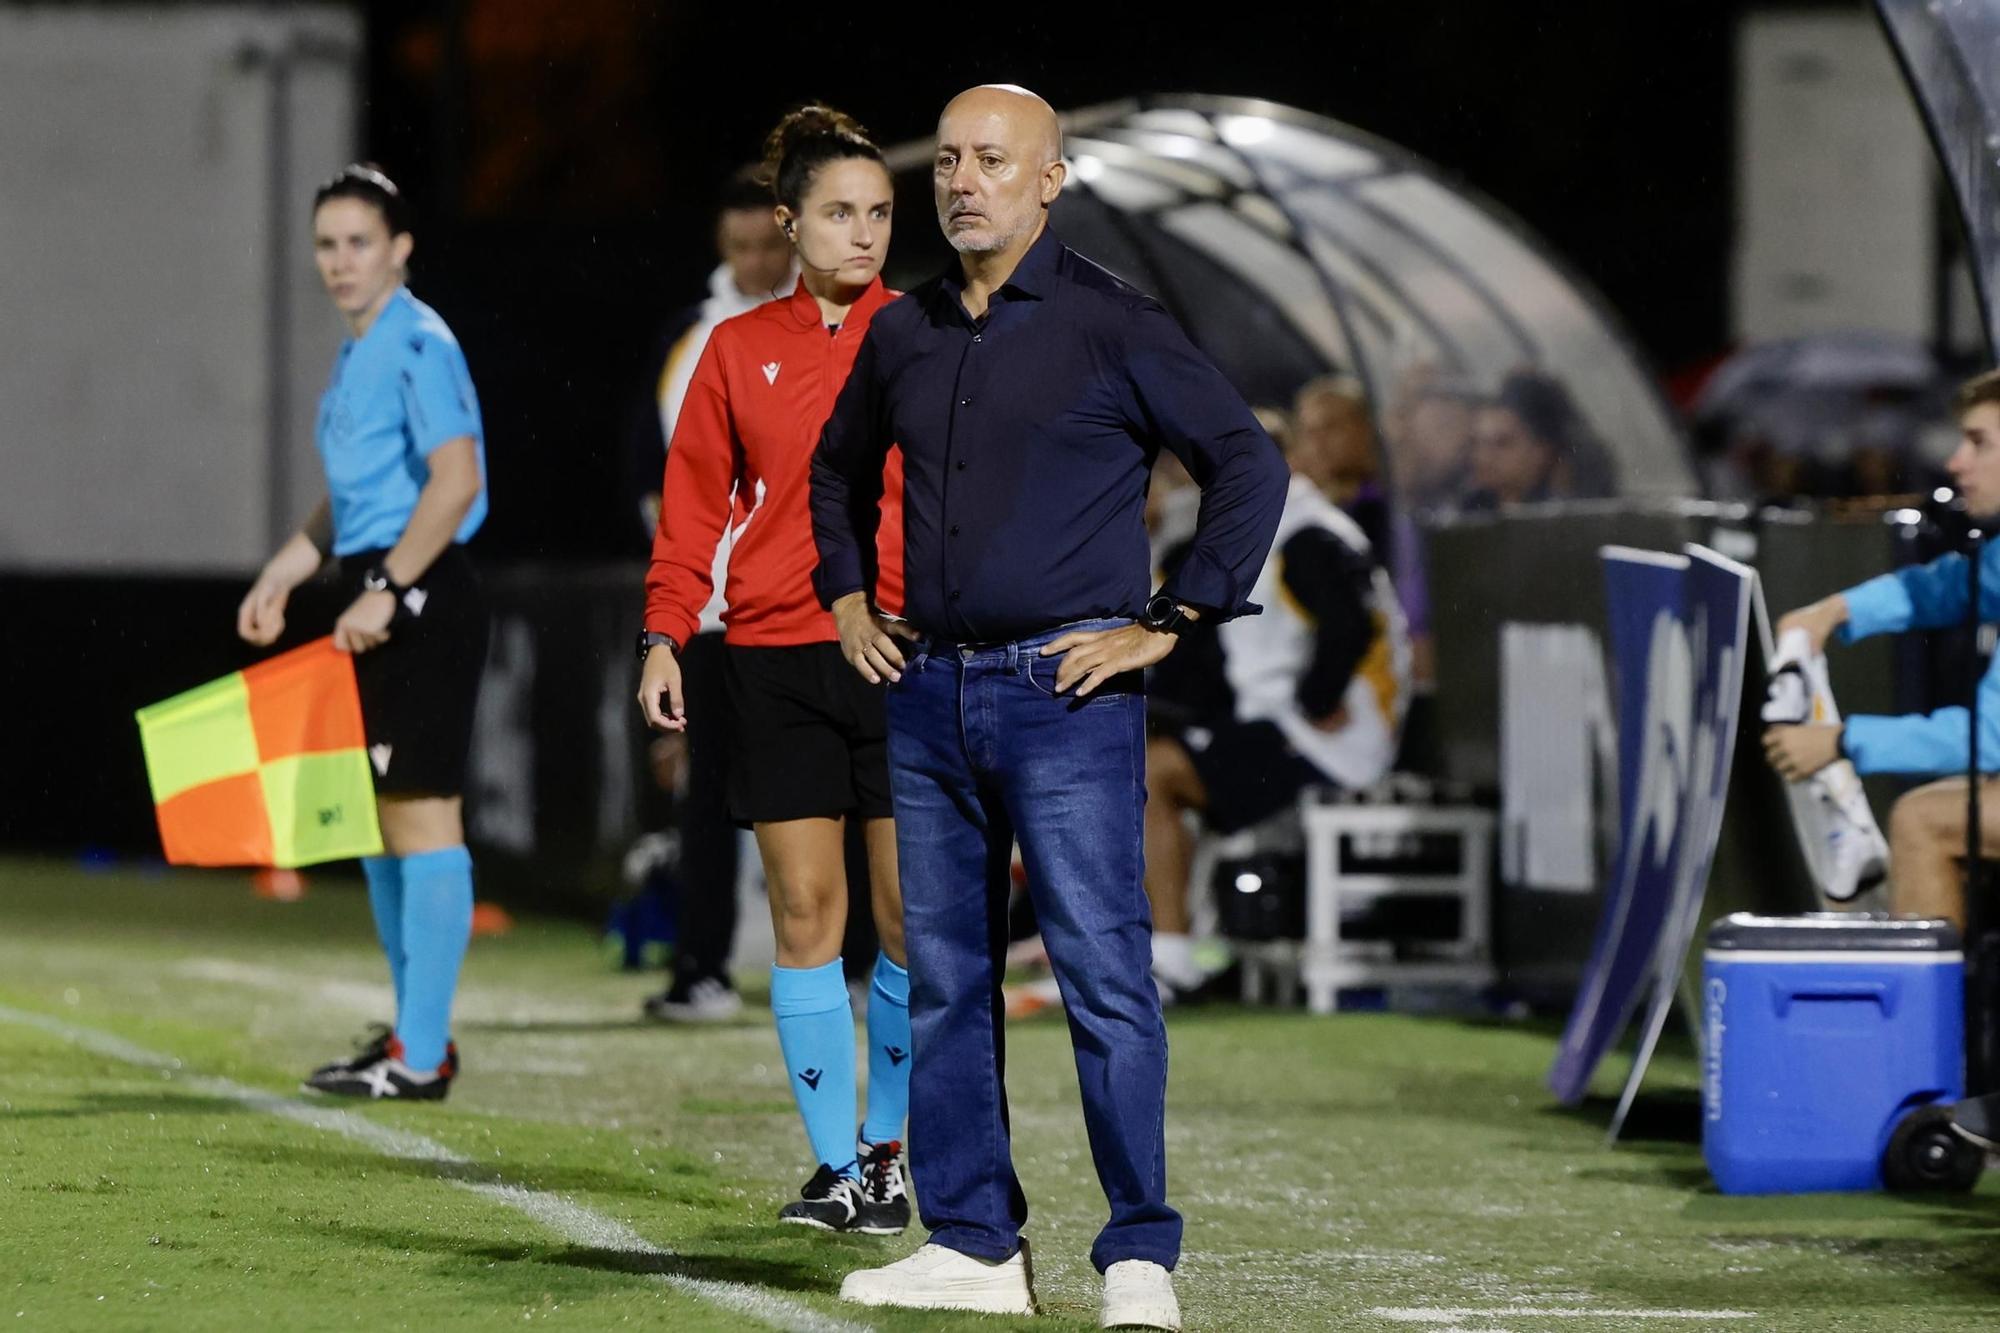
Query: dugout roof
[(1288, 245), (1950, 54)]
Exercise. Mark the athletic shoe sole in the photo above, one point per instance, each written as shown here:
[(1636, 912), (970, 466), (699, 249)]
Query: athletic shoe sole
[(997, 1303), (812, 1222), (980, 1299)]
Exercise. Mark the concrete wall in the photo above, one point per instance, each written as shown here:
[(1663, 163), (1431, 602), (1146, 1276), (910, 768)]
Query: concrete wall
[(1835, 182), (157, 386)]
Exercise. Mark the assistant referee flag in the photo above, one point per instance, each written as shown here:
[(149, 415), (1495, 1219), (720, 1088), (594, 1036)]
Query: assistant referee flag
[(265, 767)]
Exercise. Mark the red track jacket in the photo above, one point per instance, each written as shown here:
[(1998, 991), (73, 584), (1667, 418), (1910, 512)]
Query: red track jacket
[(763, 388)]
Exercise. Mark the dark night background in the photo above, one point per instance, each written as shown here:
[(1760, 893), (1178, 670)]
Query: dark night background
[(562, 158)]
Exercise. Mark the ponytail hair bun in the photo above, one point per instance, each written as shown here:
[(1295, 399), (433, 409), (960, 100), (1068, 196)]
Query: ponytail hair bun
[(807, 140)]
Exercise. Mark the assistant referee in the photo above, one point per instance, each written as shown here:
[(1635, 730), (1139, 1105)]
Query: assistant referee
[(400, 436)]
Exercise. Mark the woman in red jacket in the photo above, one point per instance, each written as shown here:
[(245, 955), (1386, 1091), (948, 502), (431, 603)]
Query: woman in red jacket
[(810, 747)]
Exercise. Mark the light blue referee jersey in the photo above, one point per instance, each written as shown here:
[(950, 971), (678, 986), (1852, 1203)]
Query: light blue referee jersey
[(398, 392)]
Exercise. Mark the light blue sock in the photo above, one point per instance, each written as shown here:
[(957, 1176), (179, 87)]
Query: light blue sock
[(816, 1033), (888, 1053), (437, 925), (385, 898)]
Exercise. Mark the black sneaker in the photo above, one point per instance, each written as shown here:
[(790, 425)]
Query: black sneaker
[(372, 1051), (706, 1000), (828, 1201), (885, 1199), (388, 1078)]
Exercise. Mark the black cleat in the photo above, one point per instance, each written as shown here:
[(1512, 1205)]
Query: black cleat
[(829, 1201), (368, 1052), (379, 1046), (387, 1078), (885, 1197)]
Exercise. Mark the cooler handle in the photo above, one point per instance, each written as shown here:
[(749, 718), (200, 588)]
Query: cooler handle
[(1879, 992)]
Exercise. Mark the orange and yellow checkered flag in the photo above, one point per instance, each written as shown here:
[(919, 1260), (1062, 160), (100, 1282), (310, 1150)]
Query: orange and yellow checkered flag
[(264, 767)]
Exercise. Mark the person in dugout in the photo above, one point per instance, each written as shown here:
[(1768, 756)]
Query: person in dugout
[(1249, 713), (1927, 826)]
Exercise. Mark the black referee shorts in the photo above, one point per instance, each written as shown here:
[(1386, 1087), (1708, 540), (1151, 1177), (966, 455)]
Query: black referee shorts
[(418, 689), (811, 736)]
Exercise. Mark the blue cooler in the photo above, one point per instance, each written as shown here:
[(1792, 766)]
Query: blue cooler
[(1821, 1032)]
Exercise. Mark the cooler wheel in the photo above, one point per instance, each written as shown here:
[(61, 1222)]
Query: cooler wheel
[(1926, 1154)]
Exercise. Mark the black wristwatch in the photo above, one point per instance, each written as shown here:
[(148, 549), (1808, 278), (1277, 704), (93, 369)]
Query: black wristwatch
[(376, 579), (649, 639), (1164, 615)]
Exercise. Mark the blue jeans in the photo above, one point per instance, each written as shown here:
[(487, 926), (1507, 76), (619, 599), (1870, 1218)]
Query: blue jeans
[(981, 751)]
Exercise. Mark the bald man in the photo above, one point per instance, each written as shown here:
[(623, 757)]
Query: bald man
[(1031, 392)]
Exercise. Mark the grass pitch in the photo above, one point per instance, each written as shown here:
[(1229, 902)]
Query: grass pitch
[(591, 1170)]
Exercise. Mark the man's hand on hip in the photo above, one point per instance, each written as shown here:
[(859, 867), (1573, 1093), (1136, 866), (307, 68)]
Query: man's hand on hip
[(1094, 656), (868, 638)]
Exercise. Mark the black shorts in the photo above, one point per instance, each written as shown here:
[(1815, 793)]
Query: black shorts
[(1249, 770), (811, 736), (418, 689)]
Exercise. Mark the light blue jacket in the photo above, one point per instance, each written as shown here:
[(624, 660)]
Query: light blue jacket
[(1931, 596)]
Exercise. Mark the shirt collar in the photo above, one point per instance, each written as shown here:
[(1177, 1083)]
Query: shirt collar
[(1034, 277), (393, 310), (805, 307)]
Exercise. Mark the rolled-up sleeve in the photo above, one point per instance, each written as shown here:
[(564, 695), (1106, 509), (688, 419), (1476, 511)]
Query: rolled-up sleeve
[(1927, 596), (1931, 744), (847, 468), (1183, 401)]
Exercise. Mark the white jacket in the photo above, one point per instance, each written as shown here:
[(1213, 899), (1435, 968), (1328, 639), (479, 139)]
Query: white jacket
[(1267, 655), (724, 301)]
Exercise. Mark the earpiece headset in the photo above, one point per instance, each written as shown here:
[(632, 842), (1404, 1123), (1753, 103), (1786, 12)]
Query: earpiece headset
[(799, 249)]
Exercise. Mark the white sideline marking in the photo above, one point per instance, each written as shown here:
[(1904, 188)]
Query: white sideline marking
[(570, 1220), (1419, 1315)]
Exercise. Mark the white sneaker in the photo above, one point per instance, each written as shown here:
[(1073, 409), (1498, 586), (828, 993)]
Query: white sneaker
[(1139, 1294), (936, 1278)]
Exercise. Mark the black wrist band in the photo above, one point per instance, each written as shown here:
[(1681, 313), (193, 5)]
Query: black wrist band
[(1164, 615), (650, 639)]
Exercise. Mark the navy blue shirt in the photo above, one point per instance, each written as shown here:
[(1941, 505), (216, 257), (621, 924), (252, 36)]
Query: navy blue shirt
[(1028, 440)]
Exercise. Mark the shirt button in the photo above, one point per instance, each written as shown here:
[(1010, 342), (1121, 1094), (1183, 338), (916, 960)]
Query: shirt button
[(954, 529), (961, 465), (965, 402), (954, 594), (975, 337)]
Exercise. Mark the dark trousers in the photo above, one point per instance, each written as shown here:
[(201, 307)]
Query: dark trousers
[(708, 836)]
